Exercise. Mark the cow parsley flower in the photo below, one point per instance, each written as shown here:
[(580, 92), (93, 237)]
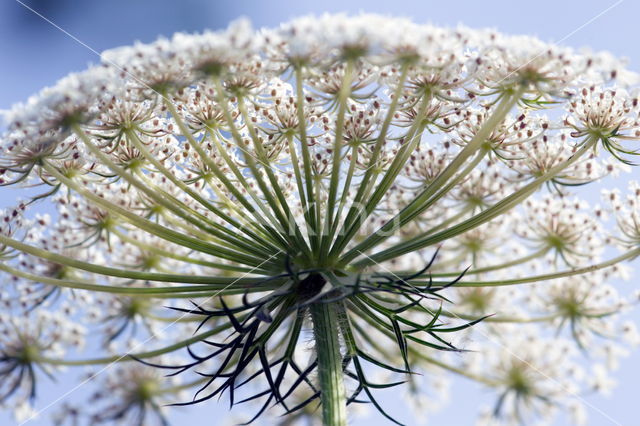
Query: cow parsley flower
[(312, 213)]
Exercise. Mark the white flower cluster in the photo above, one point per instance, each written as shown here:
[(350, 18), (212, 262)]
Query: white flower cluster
[(246, 178)]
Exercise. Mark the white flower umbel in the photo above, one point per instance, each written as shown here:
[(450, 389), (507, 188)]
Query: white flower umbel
[(375, 181)]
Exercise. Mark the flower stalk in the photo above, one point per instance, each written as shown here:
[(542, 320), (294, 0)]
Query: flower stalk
[(327, 342)]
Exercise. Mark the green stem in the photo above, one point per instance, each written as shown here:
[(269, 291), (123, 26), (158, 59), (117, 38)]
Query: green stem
[(545, 277), (332, 391), (275, 185), (390, 227), (505, 265), (306, 160), (457, 370), (140, 355), (185, 386), (130, 274), (199, 221), (343, 98), (411, 143), (500, 319), (155, 292), (371, 172), (133, 137), (453, 219), (251, 163), (220, 174), (347, 184), (155, 249), (438, 188), (501, 207), (149, 226), (476, 143), (310, 226)]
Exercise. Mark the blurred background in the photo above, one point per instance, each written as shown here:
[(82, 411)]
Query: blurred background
[(35, 51)]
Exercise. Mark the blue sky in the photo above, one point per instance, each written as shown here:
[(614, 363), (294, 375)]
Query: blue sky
[(33, 54)]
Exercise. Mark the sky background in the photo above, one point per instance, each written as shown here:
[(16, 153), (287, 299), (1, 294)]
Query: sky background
[(33, 54)]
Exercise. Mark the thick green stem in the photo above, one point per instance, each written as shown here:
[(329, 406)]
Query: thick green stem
[(332, 391)]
